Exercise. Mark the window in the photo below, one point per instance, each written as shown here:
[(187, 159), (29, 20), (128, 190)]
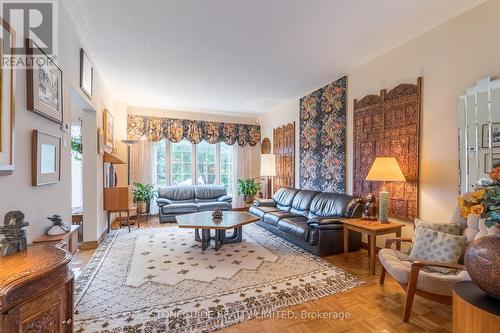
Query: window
[(183, 163), (161, 163), (206, 163), (226, 166)]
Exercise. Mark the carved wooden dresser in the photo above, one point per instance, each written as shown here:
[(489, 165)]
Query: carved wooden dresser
[(36, 291)]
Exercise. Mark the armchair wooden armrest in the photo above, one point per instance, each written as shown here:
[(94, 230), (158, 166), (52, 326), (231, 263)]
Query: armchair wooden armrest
[(422, 263), (399, 240)]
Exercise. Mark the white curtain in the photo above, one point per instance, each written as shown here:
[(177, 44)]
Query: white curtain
[(143, 166), (242, 170)]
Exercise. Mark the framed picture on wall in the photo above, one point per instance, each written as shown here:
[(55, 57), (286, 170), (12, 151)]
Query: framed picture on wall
[(45, 158), (495, 162), (7, 105), (44, 84), (109, 129), (100, 142), (86, 74), (495, 135)]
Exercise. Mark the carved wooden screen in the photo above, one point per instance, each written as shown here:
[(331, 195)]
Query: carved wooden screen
[(284, 149), (389, 125)]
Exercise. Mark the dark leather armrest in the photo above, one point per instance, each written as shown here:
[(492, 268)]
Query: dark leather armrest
[(162, 202), (226, 198), (398, 240), (264, 203)]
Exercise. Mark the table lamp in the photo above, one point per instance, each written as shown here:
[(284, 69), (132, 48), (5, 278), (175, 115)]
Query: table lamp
[(385, 169), (268, 169)]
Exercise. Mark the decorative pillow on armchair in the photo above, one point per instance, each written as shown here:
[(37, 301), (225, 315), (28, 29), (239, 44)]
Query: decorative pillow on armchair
[(447, 228), (432, 245)]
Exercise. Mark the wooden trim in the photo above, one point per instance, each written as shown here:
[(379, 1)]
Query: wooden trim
[(93, 244)]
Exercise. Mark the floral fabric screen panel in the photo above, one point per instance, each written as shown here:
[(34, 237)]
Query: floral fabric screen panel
[(322, 150)]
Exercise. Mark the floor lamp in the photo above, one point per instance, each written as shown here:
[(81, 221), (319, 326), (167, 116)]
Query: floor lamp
[(128, 143), (268, 169)]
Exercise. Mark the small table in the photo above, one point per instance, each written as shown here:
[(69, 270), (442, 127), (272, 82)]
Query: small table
[(204, 221), (372, 229), (68, 240), (474, 310)]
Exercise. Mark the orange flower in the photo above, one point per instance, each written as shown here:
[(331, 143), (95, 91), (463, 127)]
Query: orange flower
[(478, 195), (495, 174), (464, 211), (477, 209)]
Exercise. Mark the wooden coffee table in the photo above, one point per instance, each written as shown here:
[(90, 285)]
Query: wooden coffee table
[(203, 221)]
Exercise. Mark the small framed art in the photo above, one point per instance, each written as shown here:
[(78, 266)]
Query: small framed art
[(109, 129), (44, 84), (86, 74), (46, 158), (495, 135)]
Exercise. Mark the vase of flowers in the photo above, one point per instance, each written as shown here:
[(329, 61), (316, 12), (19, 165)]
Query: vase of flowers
[(481, 260)]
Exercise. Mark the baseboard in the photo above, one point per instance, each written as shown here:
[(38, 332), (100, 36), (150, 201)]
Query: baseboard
[(93, 244)]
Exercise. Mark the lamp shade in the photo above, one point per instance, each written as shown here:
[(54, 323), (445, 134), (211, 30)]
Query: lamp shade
[(268, 165), (385, 169)]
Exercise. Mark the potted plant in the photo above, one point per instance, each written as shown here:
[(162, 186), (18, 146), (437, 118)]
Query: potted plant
[(142, 195), (249, 188)]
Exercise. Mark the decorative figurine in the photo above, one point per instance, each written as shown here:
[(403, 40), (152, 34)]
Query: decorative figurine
[(217, 214), (58, 227), (14, 235), (370, 209)]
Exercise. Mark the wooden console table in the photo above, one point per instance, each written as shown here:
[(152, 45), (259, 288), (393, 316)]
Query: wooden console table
[(36, 291), (372, 229), (473, 310), (67, 241)]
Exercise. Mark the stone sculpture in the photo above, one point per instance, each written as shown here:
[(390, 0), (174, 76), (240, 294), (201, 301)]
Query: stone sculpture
[(58, 227), (14, 234)]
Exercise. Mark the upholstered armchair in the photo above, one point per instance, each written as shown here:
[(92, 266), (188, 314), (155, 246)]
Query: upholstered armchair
[(435, 286)]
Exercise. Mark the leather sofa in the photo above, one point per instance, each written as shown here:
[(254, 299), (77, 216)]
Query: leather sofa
[(176, 200), (310, 219)]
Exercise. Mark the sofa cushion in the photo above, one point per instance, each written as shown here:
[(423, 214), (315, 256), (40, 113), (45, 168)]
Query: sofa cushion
[(274, 217), (179, 208), (333, 205), (296, 227), (302, 202), (284, 198), (208, 192), (222, 205), (261, 211), (397, 265), (177, 193)]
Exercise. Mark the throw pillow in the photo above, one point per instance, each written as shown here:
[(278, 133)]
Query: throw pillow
[(447, 228), (437, 246)]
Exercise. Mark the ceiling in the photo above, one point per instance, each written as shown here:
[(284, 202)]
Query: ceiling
[(242, 56)]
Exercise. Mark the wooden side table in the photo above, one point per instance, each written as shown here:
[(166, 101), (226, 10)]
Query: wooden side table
[(372, 229), (473, 310), (67, 241)]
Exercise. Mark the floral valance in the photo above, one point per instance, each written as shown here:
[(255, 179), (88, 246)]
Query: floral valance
[(157, 128)]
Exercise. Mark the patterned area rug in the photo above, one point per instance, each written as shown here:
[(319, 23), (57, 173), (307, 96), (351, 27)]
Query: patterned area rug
[(159, 280)]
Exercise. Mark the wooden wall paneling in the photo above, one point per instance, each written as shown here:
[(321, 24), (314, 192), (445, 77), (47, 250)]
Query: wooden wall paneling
[(284, 149), (389, 125)]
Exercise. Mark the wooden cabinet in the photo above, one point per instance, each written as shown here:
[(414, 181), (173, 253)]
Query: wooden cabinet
[(36, 291)]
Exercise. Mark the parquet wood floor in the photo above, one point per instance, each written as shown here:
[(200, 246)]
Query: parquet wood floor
[(371, 307)]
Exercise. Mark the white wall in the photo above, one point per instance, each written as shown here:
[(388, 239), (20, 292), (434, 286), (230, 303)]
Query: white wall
[(450, 58), (16, 192)]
